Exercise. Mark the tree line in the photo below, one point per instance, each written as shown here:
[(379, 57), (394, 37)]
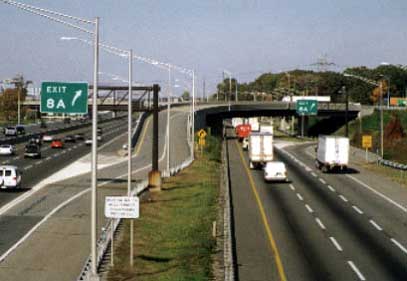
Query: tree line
[(273, 86)]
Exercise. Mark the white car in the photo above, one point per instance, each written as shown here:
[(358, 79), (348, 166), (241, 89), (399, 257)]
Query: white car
[(10, 177), (10, 131), (47, 138), (7, 149), (88, 141), (245, 144), (275, 171)]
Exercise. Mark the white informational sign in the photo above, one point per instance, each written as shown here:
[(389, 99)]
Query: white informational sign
[(122, 207)]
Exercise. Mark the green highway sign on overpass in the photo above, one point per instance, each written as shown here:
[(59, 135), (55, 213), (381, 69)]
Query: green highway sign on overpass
[(307, 107), (64, 97)]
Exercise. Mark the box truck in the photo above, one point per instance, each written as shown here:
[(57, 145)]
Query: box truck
[(237, 121), (254, 123), (260, 149), (266, 128), (332, 152)]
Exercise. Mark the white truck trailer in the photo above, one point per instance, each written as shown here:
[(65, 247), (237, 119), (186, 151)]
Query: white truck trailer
[(332, 152), (260, 149), (254, 122)]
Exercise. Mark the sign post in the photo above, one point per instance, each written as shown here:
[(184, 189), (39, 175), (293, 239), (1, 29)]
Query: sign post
[(367, 144), (121, 207), (306, 107), (64, 97)]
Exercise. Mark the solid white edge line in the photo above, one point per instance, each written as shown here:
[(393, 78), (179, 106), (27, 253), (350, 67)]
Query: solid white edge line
[(356, 270), (319, 222), (398, 244), (357, 209), (300, 197), (378, 193), (343, 198), (309, 208), (372, 222), (336, 244)]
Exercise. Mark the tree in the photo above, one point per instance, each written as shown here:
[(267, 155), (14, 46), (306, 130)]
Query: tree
[(185, 95)]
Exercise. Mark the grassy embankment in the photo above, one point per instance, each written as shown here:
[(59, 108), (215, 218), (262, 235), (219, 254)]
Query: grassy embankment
[(370, 125), (173, 236)]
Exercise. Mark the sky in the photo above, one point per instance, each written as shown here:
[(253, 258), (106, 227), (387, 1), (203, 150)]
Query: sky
[(246, 38)]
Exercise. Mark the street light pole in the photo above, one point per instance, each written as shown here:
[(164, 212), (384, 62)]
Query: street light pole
[(19, 105), (94, 274), (381, 120), (168, 118), (130, 148)]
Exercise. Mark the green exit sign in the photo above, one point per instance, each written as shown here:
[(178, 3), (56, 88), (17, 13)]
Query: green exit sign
[(307, 107), (64, 97)]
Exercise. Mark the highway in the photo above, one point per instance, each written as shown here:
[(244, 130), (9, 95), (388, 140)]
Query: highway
[(56, 218), (318, 226)]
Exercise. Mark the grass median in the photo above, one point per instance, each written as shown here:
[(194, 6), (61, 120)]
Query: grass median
[(173, 236)]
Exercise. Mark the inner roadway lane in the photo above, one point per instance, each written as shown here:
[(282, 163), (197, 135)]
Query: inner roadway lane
[(319, 234)]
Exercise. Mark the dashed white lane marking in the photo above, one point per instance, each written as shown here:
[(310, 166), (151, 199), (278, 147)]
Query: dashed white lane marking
[(309, 208), (331, 188), (292, 187), (356, 270), (300, 197), (343, 198), (319, 222), (28, 167), (322, 180), (307, 169), (314, 175), (397, 243), (376, 225), (357, 210), (63, 152), (15, 158), (48, 158), (378, 193), (336, 244), (6, 162), (39, 162), (55, 155)]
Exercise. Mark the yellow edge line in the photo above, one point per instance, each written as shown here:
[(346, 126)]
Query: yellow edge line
[(142, 137), (273, 244)]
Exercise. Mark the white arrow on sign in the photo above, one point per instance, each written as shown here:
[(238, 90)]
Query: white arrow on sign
[(77, 96)]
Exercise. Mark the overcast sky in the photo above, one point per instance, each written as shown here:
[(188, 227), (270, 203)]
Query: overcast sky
[(244, 37)]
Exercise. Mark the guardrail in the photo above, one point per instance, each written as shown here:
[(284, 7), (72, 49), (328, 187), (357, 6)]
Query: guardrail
[(105, 237), (392, 164)]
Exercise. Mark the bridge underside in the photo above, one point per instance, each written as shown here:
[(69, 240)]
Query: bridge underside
[(327, 121)]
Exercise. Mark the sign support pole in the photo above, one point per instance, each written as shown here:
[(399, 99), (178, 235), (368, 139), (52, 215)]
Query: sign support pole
[(111, 243), (94, 274), (302, 125), (367, 156)]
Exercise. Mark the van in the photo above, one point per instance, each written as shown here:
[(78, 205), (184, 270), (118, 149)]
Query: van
[(10, 131), (10, 177), (275, 171)]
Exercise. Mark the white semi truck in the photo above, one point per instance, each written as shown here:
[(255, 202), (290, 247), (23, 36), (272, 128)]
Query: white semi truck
[(260, 149), (332, 152)]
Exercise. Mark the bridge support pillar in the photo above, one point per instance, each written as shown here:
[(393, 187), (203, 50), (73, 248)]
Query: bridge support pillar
[(154, 176)]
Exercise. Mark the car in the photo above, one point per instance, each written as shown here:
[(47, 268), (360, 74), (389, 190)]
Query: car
[(70, 138), (7, 149), (99, 130), (37, 139), (67, 120), (245, 143), (79, 136), (57, 143), (88, 141), (32, 151), (10, 131), (275, 171), (20, 130), (10, 177), (47, 138), (99, 137)]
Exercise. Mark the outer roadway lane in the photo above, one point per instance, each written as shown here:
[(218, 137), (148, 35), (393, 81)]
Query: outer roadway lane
[(56, 219), (322, 226)]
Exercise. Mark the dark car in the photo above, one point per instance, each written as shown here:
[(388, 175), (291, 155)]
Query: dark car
[(70, 138), (20, 130), (79, 136), (37, 139), (32, 151), (67, 120)]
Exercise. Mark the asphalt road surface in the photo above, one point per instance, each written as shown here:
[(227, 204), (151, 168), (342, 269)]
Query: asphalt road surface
[(318, 226), (48, 234)]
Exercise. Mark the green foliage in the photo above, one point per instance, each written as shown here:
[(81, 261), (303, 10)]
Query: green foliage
[(306, 82)]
